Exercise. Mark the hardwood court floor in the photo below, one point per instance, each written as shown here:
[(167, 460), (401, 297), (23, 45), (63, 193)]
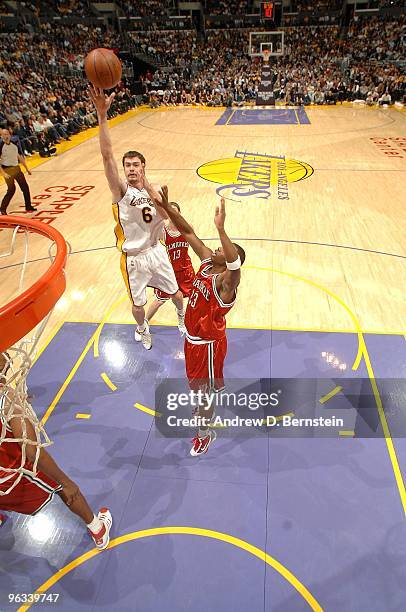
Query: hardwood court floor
[(342, 228)]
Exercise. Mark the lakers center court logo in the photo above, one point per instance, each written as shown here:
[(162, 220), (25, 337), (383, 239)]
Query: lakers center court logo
[(254, 174)]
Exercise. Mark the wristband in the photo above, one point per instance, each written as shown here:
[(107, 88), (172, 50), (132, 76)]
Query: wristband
[(234, 265)]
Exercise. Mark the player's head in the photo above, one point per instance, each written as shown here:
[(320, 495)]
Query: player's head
[(133, 164), (219, 259), (6, 135)]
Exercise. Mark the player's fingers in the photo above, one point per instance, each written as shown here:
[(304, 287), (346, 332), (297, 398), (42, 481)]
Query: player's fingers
[(217, 210)]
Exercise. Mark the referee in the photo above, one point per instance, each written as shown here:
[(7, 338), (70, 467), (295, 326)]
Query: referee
[(10, 157)]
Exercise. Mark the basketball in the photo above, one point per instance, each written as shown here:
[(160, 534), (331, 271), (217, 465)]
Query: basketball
[(103, 68)]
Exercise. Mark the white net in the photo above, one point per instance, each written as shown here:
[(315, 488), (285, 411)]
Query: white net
[(21, 431), (21, 434)]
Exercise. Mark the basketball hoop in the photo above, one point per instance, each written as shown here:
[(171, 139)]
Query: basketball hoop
[(266, 55), (22, 321), (21, 315)]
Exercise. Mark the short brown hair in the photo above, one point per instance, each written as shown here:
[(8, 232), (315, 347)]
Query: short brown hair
[(130, 154)]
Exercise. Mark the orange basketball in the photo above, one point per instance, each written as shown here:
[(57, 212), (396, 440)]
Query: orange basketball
[(103, 68)]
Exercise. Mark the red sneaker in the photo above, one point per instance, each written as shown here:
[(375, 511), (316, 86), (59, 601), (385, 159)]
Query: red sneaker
[(201, 445), (102, 538)]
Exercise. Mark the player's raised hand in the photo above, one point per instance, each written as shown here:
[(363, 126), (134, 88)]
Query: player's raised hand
[(100, 100), (164, 197), (220, 214)]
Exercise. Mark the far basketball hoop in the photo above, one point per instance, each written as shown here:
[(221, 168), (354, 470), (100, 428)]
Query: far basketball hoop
[(266, 44)]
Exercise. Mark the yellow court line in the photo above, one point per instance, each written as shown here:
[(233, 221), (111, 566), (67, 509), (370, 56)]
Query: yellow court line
[(79, 415), (344, 432), (108, 382), (195, 531), (103, 321), (362, 352), (332, 393), (74, 369), (67, 381), (147, 410), (230, 117)]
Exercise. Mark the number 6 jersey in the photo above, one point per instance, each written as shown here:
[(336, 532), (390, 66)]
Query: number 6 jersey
[(138, 223)]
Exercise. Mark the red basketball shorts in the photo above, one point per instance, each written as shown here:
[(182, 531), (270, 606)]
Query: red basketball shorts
[(30, 495), (205, 363)]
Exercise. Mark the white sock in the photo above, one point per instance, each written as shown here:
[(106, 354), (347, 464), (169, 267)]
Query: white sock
[(96, 525), (180, 312), (202, 433), (141, 328)]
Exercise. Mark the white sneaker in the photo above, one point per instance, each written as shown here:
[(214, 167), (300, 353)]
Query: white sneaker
[(102, 539), (145, 336), (181, 323), (137, 335)]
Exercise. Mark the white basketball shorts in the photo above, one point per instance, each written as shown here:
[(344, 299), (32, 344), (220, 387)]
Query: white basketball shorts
[(150, 268)]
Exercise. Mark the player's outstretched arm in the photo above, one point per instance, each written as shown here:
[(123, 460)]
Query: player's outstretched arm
[(228, 281), (102, 104), (201, 250)]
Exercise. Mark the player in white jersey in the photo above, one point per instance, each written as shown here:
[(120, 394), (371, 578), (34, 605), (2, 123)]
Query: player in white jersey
[(139, 226)]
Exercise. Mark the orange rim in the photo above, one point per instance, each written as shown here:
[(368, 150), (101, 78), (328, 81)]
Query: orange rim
[(21, 315)]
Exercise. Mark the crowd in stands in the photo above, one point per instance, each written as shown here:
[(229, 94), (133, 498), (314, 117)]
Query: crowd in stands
[(73, 7), (305, 6), (41, 105), (171, 47), (222, 7), (56, 45), (376, 39), (43, 95), (318, 67), (152, 8)]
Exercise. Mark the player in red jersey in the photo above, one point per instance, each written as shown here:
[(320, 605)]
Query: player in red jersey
[(213, 295), (177, 248), (36, 488)]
